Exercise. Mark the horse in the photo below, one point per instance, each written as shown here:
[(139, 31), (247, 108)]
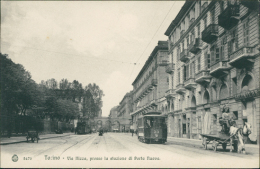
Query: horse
[(239, 134)]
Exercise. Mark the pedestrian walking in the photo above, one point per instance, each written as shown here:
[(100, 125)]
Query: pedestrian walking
[(132, 130)]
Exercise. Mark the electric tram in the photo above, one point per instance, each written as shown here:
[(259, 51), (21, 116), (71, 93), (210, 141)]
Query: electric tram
[(151, 127)]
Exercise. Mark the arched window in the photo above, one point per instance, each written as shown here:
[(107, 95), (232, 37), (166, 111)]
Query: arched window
[(206, 97), (247, 83), (193, 101)]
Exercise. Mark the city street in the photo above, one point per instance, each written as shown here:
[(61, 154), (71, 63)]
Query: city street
[(116, 149)]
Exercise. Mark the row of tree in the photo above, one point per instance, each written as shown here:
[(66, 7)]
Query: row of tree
[(22, 96)]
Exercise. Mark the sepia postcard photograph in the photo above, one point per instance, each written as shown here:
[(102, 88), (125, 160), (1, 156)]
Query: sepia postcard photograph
[(130, 84)]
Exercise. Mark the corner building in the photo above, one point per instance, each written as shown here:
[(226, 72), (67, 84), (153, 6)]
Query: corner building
[(213, 63), (151, 83)]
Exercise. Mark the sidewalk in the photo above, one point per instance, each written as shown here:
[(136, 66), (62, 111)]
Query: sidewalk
[(20, 139), (252, 148)]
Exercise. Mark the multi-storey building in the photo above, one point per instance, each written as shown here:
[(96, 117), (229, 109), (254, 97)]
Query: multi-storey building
[(124, 110), (213, 63), (151, 83)]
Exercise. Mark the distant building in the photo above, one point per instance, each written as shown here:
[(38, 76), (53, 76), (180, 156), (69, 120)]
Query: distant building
[(151, 83), (124, 110)]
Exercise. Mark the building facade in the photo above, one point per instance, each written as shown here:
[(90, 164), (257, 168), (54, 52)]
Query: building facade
[(124, 110), (213, 64), (151, 83)]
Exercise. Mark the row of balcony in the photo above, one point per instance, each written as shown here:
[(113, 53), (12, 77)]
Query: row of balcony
[(154, 83)]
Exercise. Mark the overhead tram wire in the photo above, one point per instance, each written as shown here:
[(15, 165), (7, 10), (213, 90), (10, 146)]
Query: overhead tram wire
[(152, 37), (98, 58)]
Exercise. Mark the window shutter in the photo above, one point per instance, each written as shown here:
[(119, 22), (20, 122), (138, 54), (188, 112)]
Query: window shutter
[(208, 61), (229, 47)]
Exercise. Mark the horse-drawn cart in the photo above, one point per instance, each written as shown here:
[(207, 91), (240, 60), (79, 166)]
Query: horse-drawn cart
[(33, 134), (216, 140)]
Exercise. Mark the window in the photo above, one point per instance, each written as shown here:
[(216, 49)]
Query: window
[(221, 6), (217, 55), (212, 54), (246, 32), (233, 43), (192, 37), (205, 22), (234, 85), (198, 28), (184, 72), (167, 80), (212, 13), (179, 76), (208, 60), (182, 45), (192, 69), (178, 52), (188, 40), (172, 82), (199, 64), (222, 48)]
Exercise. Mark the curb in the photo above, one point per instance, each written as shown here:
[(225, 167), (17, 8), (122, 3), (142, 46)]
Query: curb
[(26, 140)]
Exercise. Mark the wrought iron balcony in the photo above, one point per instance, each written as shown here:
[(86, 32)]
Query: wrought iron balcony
[(252, 4), (180, 88), (220, 68), (242, 56), (202, 77), (190, 83), (210, 34), (229, 17), (170, 93), (182, 32), (191, 21), (170, 68), (204, 6), (196, 46), (184, 55), (163, 63), (154, 82), (247, 95)]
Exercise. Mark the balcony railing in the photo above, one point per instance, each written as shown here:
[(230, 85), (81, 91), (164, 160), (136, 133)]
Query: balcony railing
[(154, 82), (219, 68), (182, 32), (195, 47), (202, 76), (163, 63), (190, 83), (192, 20), (204, 6), (170, 93), (184, 55), (180, 88), (247, 95), (210, 34), (170, 68), (252, 4), (229, 17), (241, 56)]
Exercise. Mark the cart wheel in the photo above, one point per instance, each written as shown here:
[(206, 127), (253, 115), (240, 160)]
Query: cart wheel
[(224, 146)]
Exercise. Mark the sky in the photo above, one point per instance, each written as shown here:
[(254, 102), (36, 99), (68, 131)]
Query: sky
[(104, 42)]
